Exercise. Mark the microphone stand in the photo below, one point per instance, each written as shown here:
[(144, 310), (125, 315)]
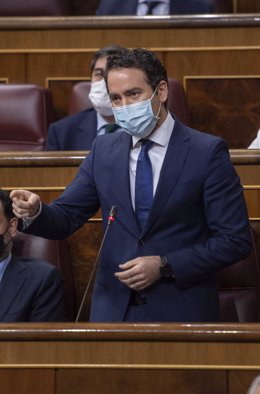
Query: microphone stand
[(111, 219)]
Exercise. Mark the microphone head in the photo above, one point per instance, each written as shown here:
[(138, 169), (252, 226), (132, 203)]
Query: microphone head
[(112, 214)]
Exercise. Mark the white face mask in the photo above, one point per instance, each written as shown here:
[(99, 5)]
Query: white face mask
[(100, 99)]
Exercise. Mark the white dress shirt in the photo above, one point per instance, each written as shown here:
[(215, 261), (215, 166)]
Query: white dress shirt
[(161, 138), (161, 9)]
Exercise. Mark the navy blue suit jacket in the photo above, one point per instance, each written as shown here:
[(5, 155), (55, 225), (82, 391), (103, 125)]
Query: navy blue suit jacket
[(75, 132), (119, 7), (31, 291), (198, 220)]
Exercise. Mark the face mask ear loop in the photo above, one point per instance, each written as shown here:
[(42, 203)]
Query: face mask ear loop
[(159, 110), (155, 90)]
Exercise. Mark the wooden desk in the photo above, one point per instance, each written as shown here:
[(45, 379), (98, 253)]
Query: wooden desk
[(48, 173), (133, 358)]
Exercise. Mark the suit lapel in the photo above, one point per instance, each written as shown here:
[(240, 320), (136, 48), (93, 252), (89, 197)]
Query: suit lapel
[(10, 284), (121, 159), (174, 160)]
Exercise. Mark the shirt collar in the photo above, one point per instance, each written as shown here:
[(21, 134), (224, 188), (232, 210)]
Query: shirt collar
[(101, 122), (162, 135), (161, 1)]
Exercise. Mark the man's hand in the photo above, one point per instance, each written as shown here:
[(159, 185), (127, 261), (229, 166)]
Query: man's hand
[(25, 203), (140, 272)]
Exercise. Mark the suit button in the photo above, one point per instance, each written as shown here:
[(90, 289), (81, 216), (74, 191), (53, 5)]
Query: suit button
[(141, 242)]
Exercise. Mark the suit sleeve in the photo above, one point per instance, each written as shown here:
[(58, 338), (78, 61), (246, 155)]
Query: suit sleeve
[(227, 220)]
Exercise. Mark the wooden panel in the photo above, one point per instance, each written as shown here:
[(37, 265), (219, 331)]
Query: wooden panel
[(135, 381), (25, 381), (227, 107), (88, 32), (140, 358), (13, 67), (239, 381), (83, 255), (250, 6)]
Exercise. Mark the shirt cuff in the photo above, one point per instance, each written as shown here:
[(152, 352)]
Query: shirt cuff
[(30, 219)]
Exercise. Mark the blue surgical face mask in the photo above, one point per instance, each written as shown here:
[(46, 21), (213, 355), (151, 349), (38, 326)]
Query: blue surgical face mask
[(137, 119)]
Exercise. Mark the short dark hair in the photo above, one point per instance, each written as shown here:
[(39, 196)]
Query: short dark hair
[(7, 204), (104, 52), (142, 59)]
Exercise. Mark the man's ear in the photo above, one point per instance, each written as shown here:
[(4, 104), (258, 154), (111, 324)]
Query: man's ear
[(162, 91), (13, 226)]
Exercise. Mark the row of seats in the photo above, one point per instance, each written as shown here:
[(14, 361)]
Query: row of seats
[(63, 7), (26, 112), (239, 284)]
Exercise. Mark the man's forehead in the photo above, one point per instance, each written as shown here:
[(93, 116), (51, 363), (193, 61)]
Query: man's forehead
[(129, 76), (101, 63)]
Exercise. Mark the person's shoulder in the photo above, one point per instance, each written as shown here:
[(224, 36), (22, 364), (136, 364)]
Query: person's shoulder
[(207, 5), (35, 265), (199, 137), (112, 138), (107, 7), (199, 6), (76, 118)]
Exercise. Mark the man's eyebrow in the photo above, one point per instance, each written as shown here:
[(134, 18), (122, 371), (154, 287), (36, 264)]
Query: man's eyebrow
[(132, 90), (126, 92)]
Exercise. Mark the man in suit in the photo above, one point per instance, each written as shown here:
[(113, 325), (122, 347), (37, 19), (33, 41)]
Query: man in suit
[(78, 131), (181, 215), (163, 7), (30, 290)]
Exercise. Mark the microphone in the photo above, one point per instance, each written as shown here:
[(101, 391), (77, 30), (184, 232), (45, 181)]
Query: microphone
[(111, 219)]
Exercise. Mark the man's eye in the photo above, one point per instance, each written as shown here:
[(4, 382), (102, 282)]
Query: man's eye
[(99, 74), (115, 99)]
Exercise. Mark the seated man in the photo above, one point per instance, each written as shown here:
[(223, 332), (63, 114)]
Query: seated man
[(30, 290), (150, 7), (255, 144), (77, 132)]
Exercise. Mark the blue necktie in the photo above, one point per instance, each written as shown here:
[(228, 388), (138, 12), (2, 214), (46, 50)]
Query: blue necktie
[(143, 184), (151, 4)]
